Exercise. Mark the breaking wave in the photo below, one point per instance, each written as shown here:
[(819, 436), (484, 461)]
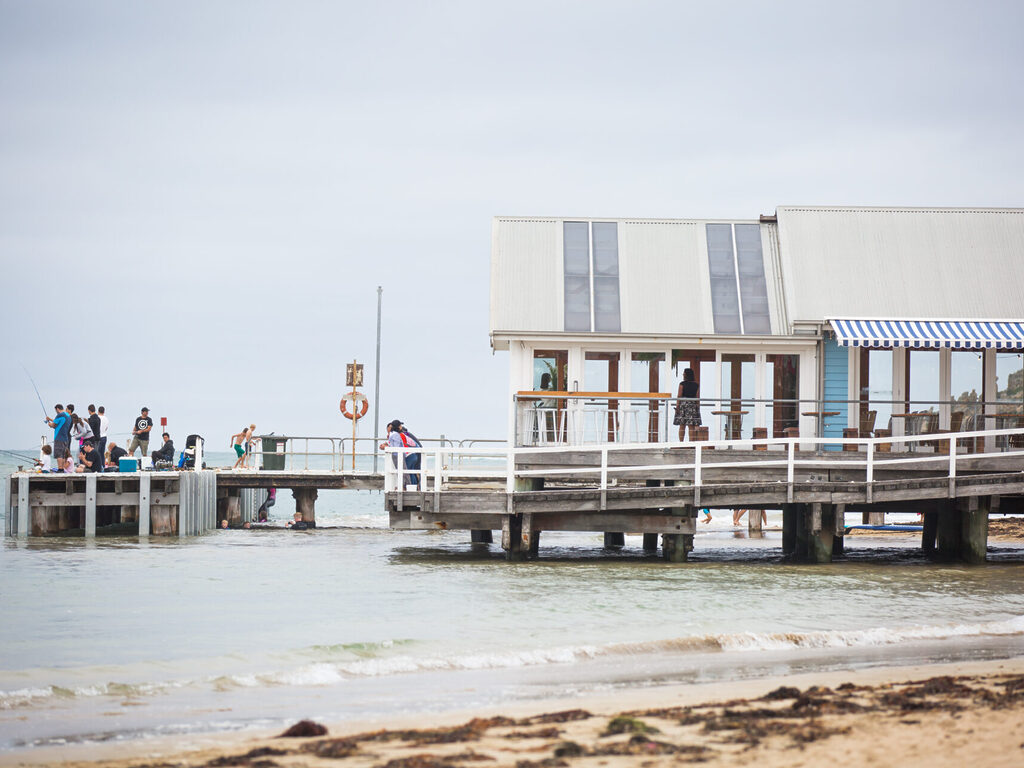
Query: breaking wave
[(391, 658)]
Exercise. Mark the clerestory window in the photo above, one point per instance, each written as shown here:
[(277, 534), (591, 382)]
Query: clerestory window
[(591, 270)]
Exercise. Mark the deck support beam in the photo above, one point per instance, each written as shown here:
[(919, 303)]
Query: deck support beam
[(90, 506)]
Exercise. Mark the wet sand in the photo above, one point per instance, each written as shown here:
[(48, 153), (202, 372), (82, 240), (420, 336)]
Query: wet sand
[(939, 715)]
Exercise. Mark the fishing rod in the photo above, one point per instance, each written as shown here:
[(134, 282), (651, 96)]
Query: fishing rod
[(41, 405), (21, 456)]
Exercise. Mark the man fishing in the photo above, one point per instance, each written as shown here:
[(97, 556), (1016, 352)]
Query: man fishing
[(61, 424)]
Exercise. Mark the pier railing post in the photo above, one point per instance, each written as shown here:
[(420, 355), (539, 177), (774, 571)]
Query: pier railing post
[(790, 468), (869, 472), (604, 479), (698, 474), (90, 506), (24, 527), (144, 479), (952, 467)]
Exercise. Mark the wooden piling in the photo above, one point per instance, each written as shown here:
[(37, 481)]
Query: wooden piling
[(481, 537), (974, 529), (948, 533), (929, 528), (789, 516), (512, 538), (675, 546), (650, 542), (233, 507), (614, 539), (821, 531), (305, 503)]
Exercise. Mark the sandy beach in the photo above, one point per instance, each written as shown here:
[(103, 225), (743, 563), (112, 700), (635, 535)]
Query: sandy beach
[(933, 715)]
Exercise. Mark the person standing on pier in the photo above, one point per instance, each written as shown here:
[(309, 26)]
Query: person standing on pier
[(240, 444), (104, 428), (80, 430), (413, 461), (61, 424), (140, 433), (688, 404), (95, 424)]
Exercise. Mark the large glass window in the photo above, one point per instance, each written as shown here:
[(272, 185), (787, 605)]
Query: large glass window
[(922, 391), (967, 387), (702, 361), (737, 396), (591, 273), (753, 288), (783, 373), (1010, 382), (645, 375), (576, 251), (876, 386), (725, 304), (550, 368), (606, 277), (600, 374)]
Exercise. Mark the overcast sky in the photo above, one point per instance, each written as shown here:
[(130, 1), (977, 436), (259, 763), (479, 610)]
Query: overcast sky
[(199, 199)]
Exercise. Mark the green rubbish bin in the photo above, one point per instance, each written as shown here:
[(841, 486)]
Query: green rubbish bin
[(273, 452)]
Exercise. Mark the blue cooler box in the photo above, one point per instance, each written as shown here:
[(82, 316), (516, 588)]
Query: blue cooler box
[(126, 464)]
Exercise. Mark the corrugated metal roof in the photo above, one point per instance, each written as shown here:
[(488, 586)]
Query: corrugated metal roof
[(928, 263)]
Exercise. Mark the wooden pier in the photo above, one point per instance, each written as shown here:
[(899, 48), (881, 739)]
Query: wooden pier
[(652, 489)]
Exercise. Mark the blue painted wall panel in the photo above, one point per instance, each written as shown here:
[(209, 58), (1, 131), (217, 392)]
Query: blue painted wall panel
[(837, 373)]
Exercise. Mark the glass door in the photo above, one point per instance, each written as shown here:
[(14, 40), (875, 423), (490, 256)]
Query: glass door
[(600, 375)]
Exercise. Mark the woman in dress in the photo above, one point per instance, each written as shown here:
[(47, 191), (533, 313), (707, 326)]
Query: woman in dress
[(688, 404)]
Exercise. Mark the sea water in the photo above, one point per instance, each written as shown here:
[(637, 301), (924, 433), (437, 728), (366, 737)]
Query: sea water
[(116, 638)]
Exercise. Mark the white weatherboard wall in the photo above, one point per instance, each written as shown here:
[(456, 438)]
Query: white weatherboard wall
[(663, 278), (902, 263), (526, 275)]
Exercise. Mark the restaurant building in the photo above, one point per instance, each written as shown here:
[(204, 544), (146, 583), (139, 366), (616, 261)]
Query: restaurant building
[(812, 320)]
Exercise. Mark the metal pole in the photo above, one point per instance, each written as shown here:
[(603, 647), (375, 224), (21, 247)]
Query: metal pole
[(376, 387)]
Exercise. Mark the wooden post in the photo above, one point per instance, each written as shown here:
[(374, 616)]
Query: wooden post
[(512, 538), (974, 530), (930, 526), (948, 531), (144, 517), (529, 538), (305, 503), (822, 531), (233, 507), (754, 521), (789, 515), (650, 542), (23, 511), (673, 548), (614, 539), (873, 518), (481, 537), (90, 506)]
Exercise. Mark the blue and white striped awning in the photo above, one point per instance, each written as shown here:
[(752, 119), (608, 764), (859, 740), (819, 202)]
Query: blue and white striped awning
[(956, 334)]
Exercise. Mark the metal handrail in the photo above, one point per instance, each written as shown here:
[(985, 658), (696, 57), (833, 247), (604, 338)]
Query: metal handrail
[(393, 475)]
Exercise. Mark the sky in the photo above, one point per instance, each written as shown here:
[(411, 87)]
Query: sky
[(198, 199)]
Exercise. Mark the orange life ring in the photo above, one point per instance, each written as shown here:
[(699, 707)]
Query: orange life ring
[(355, 397)]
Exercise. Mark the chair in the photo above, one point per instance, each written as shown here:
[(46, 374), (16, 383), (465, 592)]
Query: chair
[(867, 423)]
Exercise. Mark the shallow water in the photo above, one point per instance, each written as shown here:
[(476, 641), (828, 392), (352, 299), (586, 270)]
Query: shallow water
[(117, 638)]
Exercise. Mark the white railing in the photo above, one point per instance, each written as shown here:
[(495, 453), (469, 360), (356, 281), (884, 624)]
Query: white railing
[(433, 473), (304, 453)]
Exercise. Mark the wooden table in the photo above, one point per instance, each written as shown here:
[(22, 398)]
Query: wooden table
[(733, 424)]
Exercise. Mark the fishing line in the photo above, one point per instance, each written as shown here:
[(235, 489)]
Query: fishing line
[(21, 456), (41, 405)]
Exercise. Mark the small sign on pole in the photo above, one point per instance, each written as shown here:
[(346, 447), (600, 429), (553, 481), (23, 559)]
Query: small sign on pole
[(353, 374)]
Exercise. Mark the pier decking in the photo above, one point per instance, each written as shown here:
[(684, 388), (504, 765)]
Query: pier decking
[(654, 489)]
